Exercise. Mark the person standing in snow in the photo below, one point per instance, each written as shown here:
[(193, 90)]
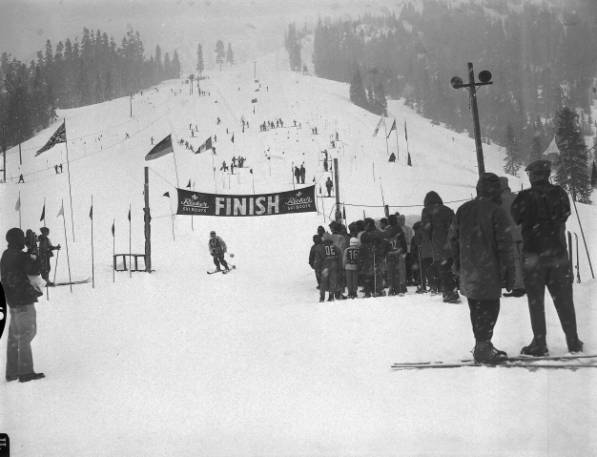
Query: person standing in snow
[(302, 173), (312, 252), (482, 251), (217, 249), (507, 198), (329, 186), (21, 297), (395, 257), (436, 219), (45, 253), (350, 260), (424, 253), (328, 260), (542, 212)]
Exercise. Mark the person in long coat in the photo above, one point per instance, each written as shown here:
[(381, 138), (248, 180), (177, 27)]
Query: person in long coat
[(482, 251)]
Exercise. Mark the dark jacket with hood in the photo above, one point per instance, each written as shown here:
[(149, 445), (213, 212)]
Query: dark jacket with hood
[(481, 243), (436, 219), (15, 265)]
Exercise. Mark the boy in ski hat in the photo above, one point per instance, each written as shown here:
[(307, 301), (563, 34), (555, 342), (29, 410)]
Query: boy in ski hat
[(351, 266)]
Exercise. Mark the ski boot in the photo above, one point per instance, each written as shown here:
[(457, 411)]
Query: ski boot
[(575, 345), (537, 348), (485, 352), (451, 297)]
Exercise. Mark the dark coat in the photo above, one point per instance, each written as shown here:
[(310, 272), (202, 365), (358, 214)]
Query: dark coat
[(15, 265), (436, 219), (45, 253), (422, 241), (542, 212), (482, 249)]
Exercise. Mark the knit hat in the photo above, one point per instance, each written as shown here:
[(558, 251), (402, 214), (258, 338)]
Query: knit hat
[(15, 237), (355, 242), (488, 185)]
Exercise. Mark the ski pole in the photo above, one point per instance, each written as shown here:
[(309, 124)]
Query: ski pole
[(56, 265)]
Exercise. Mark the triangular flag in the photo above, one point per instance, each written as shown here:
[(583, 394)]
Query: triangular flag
[(113, 227), (189, 184), (61, 212), (18, 204), (409, 163), (129, 216), (43, 213), (166, 194), (161, 149), (205, 146), (378, 126), (91, 212), (232, 139), (59, 136), (405, 132), (392, 128)]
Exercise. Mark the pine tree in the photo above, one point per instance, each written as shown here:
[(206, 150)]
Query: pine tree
[(220, 53), (512, 159), (357, 90), (594, 175), (200, 63), (229, 55), (572, 167)]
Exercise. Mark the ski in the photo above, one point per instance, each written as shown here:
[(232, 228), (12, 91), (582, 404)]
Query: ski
[(232, 267), (68, 283), (529, 358)]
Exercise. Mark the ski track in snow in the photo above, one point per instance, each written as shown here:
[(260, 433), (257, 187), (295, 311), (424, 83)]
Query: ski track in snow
[(181, 363)]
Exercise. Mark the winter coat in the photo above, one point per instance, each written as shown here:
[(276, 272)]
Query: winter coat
[(328, 261), (542, 212), (15, 265), (482, 249), (45, 252), (508, 198), (422, 241), (312, 253), (374, 248), (216, 246), (436, 219), (350, 259)]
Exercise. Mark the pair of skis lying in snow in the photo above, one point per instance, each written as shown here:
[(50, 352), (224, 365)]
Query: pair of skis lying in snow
[(567, 361), (232, 267)]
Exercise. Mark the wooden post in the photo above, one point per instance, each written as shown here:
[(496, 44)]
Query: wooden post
[(92, 252), (147, 221), (70, 190), (338, 213), (131, 105)]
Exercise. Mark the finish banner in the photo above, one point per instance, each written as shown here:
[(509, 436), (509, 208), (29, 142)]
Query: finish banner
[(193, 203)]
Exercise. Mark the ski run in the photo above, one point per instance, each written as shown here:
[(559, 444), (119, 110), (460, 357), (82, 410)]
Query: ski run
[(251, 364)]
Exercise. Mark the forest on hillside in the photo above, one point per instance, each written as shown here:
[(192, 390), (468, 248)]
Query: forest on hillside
[(74, 73), (541, 59)]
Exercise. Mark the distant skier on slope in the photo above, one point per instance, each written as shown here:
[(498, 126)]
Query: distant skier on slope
[(217, 249)]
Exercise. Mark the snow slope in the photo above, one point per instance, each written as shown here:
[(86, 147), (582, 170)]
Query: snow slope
[(181, 363)]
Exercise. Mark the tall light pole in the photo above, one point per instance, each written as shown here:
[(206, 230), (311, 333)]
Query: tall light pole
[(457, 83)]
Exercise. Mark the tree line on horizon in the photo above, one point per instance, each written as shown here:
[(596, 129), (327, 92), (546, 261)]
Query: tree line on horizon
[(75, 73)]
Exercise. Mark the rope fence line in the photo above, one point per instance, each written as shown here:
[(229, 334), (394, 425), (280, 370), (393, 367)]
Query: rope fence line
[(399, 206)]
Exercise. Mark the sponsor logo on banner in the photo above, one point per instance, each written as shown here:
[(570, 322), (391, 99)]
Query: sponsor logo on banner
[(196, 203)]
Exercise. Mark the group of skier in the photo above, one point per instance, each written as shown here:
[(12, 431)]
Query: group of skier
[(496, 241)]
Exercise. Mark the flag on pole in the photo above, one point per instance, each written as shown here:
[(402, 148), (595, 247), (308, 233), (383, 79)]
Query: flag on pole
[(91, 212), (129, 216), (189, 184), (405, 132), (61, 212), (205, 146), (392, 128), (43, 213), (375, 132), (166, 194), (409, 163), (161, 149), (232, 139), (113, 228), (59, 136), (18, 204)]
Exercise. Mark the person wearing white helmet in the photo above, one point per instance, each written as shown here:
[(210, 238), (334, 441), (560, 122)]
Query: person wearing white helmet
[(351, 266)]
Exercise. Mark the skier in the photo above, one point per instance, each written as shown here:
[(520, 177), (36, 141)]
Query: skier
[(328, 261), (312, 252), (482, 252), (21, 297), (329, 185), (395, 258), (542, 212), (34, 265), (424, 252), (217, 249), (436, 219), (45, 252), (351, 266)]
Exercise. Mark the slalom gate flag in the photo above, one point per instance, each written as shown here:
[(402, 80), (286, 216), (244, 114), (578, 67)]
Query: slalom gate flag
[(205, 146), (189, 184), (43, 213), (376, 131), (59, 136), (161, 149), (405, 132), (129, 216), (113, 228), (91, 212), (18, 204), (392, 128), (166, 194), (61, 212), (409, 162), (192, 203)]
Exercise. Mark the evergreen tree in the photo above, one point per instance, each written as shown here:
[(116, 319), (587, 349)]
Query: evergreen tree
[(357, 90), (512, 159), (200, 63), (293, 46), (175, 66), (229, 55), (220, 53), (594, 175), (572, 168)]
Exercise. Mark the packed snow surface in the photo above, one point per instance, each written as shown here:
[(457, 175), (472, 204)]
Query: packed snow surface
[(250, 364)]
